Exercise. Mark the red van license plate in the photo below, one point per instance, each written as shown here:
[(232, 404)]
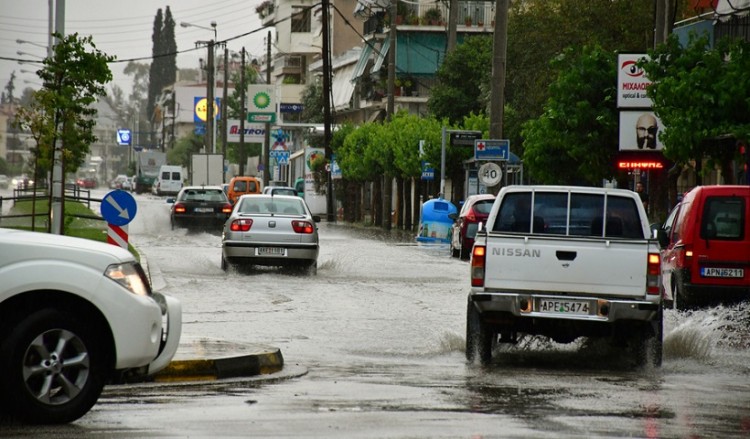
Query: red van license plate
[(722, 272)]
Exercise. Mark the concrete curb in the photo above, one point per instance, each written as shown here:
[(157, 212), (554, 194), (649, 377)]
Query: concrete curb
[(200, 361)]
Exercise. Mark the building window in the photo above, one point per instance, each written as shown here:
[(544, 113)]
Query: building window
[(301, 19)]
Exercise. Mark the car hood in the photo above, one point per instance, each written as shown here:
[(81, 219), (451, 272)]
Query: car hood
[(18, 246)]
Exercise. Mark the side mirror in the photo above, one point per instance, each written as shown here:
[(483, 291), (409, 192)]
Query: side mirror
[(170, 200), (662, 237)]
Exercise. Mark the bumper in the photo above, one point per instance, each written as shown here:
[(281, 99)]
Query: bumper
[(172, 329), (600, 309), (238, 252)]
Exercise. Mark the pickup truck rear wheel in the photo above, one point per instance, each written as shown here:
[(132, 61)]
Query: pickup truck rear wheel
[(648, 343), (478, 337), (54, 368)]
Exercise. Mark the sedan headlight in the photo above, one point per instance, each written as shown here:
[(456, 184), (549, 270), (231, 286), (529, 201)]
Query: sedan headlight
[(130, 276)]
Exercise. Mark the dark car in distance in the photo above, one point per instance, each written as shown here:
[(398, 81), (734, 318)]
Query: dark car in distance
[(475, 210), (199, 207)]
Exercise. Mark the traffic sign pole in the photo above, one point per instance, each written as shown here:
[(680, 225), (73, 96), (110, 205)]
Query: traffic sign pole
[(117, 235)]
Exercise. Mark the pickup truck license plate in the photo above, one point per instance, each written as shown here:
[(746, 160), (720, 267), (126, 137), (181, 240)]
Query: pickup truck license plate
[(722, 272), (553, 306), (273, 251)]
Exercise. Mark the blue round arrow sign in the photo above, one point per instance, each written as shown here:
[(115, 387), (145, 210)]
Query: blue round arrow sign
[(118, 207)]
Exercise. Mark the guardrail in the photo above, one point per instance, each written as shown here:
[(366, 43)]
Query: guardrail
[(71, 193)]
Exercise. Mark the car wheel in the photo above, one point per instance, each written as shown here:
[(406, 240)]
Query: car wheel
[(456, 253), (678, 296), (478, 337), (312, 268), (224, 264), (645, 346), (54, 368)]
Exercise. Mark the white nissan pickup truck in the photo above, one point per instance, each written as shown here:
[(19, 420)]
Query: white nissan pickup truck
[(75, 314), (565, 262)]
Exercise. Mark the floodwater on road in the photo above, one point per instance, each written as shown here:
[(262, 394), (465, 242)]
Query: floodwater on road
[(380, 333)]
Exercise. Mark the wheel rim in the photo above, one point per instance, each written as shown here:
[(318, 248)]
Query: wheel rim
[(56, 366)]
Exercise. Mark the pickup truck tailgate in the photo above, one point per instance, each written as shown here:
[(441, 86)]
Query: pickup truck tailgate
[(582, 266)]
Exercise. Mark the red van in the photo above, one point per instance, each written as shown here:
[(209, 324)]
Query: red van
[(705, 245)]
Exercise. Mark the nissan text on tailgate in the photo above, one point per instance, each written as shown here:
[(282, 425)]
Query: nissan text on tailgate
[(565, 262)]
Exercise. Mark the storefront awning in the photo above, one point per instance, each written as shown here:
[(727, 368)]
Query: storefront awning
[(343, 87), (364, 58), (381, 56)]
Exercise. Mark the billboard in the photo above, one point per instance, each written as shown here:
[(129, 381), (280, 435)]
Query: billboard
[(631, 82), (639, 131)]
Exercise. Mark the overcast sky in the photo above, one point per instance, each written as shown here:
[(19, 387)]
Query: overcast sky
[(123, 28)]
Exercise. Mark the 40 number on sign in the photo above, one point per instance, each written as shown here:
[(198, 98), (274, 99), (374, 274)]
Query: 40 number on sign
[(490, 174)]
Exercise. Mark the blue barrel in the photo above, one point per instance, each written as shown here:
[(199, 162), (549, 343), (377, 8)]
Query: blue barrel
[(434, 225)]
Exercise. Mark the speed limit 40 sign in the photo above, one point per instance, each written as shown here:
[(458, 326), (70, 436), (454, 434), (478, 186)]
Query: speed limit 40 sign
[(490, 174)]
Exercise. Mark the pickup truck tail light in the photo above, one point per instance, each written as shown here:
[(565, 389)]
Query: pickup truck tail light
[(477, 265), (652, 274)]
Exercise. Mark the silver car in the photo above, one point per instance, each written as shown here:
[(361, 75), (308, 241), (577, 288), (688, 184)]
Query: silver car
[(271, 230)]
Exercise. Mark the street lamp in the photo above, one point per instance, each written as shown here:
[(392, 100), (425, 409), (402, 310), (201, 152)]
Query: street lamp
[(210, 84), (212, 28), (22, 53), (20, 41)]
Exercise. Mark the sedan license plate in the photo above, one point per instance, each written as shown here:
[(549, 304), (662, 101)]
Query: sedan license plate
[(722, 272), (270, 251), (553, 306), (204, 209)]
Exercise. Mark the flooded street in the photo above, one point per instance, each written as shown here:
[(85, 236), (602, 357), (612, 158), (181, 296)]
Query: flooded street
[(378, 338)]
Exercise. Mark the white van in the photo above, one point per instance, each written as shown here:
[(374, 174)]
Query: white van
[(169, 180)]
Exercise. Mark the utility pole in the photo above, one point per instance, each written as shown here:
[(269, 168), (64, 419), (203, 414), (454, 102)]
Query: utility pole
[(499, 49), (57, 200), (224, 116), (267, 142), (452, 22), (210, 100), (243, 113), (390, 110), (327, 109)]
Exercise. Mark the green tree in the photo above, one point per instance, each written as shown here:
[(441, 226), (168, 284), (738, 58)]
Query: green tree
[(575, 140), (701, 96), (312, 102), (163, 69), (457, 92), (62, 111), (539, 30)]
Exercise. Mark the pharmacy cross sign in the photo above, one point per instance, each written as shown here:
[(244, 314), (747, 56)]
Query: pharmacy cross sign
[(487, 149)]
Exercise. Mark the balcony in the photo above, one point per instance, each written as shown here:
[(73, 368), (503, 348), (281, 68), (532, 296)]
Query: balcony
[(472, 16)]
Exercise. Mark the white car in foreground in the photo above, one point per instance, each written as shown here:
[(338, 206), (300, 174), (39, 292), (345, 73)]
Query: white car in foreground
[(75, 314)]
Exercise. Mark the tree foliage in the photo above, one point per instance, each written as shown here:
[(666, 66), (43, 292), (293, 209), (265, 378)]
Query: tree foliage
[(312, 102), (700, 94), (459, 77), (163, 69), (576, 138), (62, 111)]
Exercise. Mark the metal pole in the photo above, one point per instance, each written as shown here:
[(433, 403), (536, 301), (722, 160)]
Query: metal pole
[(210, 145), (224, 115), (267, 140), (327, 108), (442, 164), (56, 203), (243, 115)]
